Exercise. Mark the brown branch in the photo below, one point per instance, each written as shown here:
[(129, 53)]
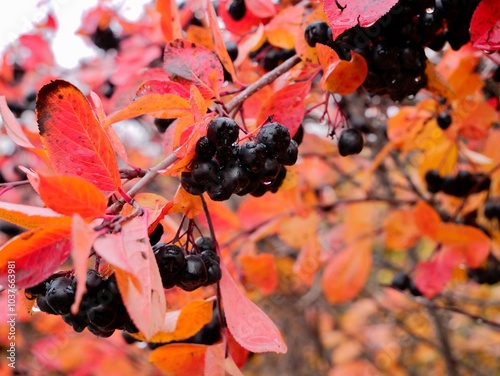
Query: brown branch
[(442, 335), (266, 79)]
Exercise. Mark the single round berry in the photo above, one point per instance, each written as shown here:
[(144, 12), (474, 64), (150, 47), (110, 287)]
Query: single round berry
[(208, 256), (278, 181), (105, 39), (43, 305), (169, 257), (93, 282), (433, 180), (414, 289), (350, 142), (79, 321), (214, 274), (491, 209), (156, 234), (205, 149), (400, 281), (270, 170), (194, 274), (233, 177), (204, 172), (237, 9), (217, 192), (232, 50), (204, 243), (61, 295), (223, 132), (276, 137), (252, 155), (317, 32), (291, 154), (192, 187), (102, 315), (444, 120)]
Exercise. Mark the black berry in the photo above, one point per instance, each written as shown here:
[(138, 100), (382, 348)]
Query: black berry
[(350, 142)]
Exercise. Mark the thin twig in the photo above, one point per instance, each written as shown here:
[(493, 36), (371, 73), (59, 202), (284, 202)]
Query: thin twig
[(442, 335), (266, 79)]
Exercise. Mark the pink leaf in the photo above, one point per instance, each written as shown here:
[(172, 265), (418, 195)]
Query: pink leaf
[(344, 14), (485, 26), (214, 360), (248, 324), (432, 276), (82, 237), (261, 8), (14, 129), (137, 275)]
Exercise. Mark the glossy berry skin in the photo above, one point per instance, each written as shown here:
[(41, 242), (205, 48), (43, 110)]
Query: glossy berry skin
[(276, 137), (317, 32), (291, 154), (41, 302), (434, 181), (170, 258), (79, 322), (204, 172), (444, 120), (270, 170), (156, 234), (252, 155), (205, 149), (190, 185), (102, 315), (223, 132), (237, 9), (194, 274), (61, 295), (204, 243), (350, 142)]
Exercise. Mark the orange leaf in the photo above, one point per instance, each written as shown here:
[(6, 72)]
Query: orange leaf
[(340, 76), (260, 271), (169, 19), (180, 359), (182, 324), (36, 253), (346, 273), (436, 83), (400, 229), (159, 105), (73, 138), (30, 216), (71, 194), (187, 203), (427, 219), (281, 31)]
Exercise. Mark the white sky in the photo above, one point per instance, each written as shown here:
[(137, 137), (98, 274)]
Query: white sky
[(18, 18)]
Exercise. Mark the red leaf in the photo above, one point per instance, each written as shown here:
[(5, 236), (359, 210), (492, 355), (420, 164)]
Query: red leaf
[(73, 138), (82, 238), (162, 87), (240, 27), (485, 26), (13, 127), (354, 12), (79, 195), (427, 219), (37, 254), (432, 276), (261, 8), (138, 278), (287, 106), (30, 216), (189, 63), (248, 324)]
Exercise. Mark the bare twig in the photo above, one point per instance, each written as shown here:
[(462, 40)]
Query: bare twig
[(266, 79), (442, 335)]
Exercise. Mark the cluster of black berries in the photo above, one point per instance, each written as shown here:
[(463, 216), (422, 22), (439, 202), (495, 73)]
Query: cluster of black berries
[(394, 45), (488, 274), (459, 185), (101, 311), (402, 282), (189, 271), (222, 167)]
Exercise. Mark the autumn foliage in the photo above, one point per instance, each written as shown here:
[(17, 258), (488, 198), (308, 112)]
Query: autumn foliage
[(384, 261)]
